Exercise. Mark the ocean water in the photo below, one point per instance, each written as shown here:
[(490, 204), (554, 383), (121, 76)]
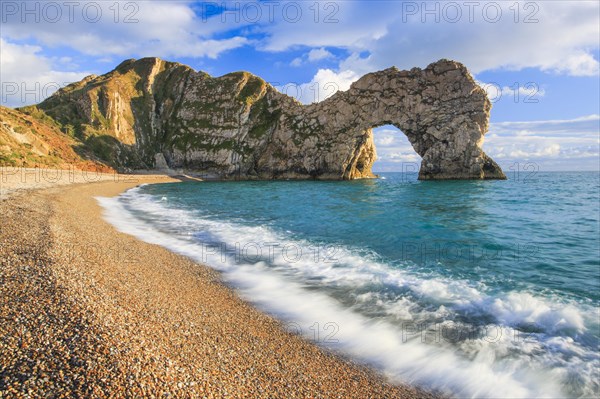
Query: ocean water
[(470, 288)]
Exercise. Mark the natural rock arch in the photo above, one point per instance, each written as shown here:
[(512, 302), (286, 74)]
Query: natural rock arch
[(238, 126), (394, 152), (441, 110)]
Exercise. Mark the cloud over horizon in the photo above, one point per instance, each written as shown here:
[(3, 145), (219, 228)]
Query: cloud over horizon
[(551, 145)]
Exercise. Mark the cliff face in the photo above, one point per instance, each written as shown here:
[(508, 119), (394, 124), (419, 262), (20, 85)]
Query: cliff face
[(237, 125)]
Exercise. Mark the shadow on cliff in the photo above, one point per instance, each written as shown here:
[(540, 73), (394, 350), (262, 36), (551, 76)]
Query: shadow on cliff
[(108, 149)]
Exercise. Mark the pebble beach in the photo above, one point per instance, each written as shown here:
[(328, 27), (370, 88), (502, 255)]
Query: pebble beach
[(86, 311)]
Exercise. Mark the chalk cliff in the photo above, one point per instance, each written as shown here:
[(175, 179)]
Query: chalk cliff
[(147, 112)]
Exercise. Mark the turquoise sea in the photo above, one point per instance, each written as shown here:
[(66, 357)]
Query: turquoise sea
[(471, 288)]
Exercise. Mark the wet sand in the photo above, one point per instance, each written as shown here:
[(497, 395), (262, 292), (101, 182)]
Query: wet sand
[(86, 310)]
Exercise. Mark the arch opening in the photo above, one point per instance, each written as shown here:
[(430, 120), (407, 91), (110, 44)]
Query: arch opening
[(394, 151)]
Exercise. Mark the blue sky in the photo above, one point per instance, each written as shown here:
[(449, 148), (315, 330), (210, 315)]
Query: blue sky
[(539, 61)]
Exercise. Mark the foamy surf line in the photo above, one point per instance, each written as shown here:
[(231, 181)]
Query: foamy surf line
[(477, 367)]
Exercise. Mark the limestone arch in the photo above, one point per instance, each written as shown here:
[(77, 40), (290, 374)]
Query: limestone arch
[(441, 110)]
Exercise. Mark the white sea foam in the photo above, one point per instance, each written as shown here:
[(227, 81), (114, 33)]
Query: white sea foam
[(521, 307), (502, 362)]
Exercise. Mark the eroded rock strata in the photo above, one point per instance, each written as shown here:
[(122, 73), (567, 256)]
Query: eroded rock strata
[(237, 125)]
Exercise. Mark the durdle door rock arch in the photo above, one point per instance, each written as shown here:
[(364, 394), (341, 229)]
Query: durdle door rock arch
[(441, 109), (238, 126)]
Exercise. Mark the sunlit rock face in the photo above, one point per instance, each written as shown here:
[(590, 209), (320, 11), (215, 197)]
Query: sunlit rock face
[(238, 126)]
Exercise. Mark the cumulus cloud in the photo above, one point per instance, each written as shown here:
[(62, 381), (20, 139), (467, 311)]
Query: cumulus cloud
[(579, 63), (323, 85), (412, 37), (405, 33), (318, 54), (314, 55), (27, 77), (149, 28)]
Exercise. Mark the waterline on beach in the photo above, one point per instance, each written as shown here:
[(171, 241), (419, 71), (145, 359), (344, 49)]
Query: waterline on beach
[(458, 336)]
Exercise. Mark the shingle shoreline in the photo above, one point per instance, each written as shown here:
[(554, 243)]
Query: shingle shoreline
[(86, 311)]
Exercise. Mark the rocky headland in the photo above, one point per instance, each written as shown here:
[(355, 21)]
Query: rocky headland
[(154, 114)]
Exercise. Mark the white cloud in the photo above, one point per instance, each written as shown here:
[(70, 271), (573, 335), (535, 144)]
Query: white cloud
[(314, 55), (399, 157), (394, 151), (565, 143), (385, 139), (347, 24), (571, 144), (153, 28), (323, 85), (318, 54), (579, 63), (563, 39), (551, 150), (296, 62), (28, 77)]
